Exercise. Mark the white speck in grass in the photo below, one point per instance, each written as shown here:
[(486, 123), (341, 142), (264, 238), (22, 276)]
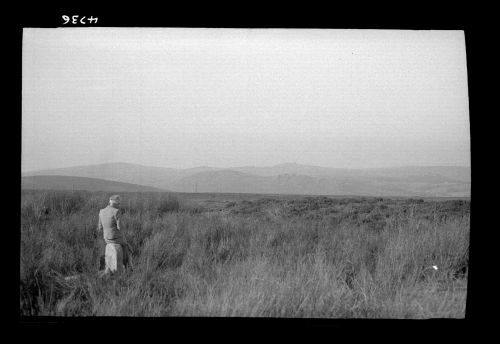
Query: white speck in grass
[(434, 267)]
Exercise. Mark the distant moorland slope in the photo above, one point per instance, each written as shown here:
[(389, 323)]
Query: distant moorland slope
[(80, 183), (289, 178)]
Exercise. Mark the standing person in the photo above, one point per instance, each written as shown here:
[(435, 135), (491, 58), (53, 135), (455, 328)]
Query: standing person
[(116, 253)]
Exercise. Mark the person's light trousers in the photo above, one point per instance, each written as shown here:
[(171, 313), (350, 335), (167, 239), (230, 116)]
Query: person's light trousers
[(114, 258)]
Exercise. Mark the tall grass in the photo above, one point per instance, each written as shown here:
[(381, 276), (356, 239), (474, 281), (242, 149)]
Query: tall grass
[(192, 263)]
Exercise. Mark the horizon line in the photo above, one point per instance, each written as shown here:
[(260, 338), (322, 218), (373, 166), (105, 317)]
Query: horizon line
[(240, 166)]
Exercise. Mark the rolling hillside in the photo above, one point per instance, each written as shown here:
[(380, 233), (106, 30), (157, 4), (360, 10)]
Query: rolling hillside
[(290, 178), (455, 173), (238, 182), (157, 177), (80, 183)]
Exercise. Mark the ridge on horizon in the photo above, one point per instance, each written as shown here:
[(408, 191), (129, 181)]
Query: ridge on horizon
[(286, 178), (246, 166)]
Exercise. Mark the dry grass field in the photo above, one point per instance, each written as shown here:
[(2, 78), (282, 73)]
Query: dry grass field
[(247, 255)]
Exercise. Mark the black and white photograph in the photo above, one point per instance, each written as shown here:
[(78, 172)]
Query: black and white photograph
[(244, 172)]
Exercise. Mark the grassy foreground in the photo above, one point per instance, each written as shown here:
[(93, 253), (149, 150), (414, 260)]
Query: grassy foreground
[(269, 257)]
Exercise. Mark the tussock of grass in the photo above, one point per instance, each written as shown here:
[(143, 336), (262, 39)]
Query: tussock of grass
[(290, 262)]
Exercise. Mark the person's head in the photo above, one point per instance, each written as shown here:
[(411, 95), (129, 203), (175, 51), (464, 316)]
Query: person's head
[(115, 200)]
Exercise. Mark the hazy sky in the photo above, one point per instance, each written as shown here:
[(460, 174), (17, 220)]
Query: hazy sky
[(232, 97)]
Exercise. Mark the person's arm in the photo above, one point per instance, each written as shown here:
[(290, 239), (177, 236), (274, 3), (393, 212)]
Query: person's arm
[(99, 226), (118, 216)]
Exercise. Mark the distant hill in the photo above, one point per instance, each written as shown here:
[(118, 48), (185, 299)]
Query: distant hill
[(81, 183), (158, 177), (292, 168), (237, 182), (457, 173), (289, 178), (450, 173)]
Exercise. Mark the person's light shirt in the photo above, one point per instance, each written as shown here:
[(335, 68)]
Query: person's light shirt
[(109, 223)]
